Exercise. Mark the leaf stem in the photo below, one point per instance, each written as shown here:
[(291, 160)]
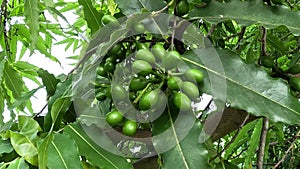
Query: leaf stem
[(142, 93)]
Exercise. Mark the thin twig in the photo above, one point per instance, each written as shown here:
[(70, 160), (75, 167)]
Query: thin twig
[(233, 139), (163, 9), (5, 15), (263, 52), (40, 112), (263, 137), (288, 150), (211, 31), (173, 33)]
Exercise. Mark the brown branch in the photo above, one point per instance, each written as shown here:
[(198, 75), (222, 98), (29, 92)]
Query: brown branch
[(233, 139), (287, 151), (211, 31), (263, 137), (263, 52), (5, 17)]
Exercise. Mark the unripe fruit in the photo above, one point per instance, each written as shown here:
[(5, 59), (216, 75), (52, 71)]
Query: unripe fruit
[(100, 96), (158, 51), (190, 90), (194, 75), (182, 102), (145, 55), (182, 8), (171, 60), (129, 128), (139, 28), (137, 83), (106, 19), (141, 67), (149, 100), (118, 92), (295, 69), (101, 71), (114, 117), (174, 83)]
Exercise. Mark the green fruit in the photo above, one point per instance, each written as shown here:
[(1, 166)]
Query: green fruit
[(109, 67), (182, 102), (174, 83), (118, 92), (149, 100), (190, 90), (194, 75), (277, 2), (171, 60), (129, 128), (101, 71), (158, 51), (106, 19), (137, 83), (100, 96), (114, 117), (295, 83), (139, 28), (141, 67), (267, 62), (145, 55), (295, 69), (108, 92), (115, 49), (182, 8)]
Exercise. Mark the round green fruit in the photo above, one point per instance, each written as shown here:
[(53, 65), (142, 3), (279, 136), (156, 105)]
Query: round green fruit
[(137, 83), (114, 117), (106, 19), (141, 67), (171, 60), (118, 92), (182, 102), (145, 55), (174, 83), (295, 83), (129, 128), (158, 51), (141, 46), (267, 62), (182, 8), (101, 71), (149, 100), (115, 49), (194, 75), (109, 66), (190, 90), (295, 69), (139, 28)]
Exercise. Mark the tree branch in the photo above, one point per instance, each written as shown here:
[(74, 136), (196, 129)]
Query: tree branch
[(287, 151), (263, 137)]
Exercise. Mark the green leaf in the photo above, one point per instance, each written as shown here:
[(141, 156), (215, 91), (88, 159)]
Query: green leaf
[(135, 6), (43, 151), (28, 127), (188, 153), (253, 143), (26, 67), (59, 108), (249, 12), (5, 146), (246, 82), (24, 147), (49, 80), (111, 6), (276, 43), (95, 154), (2, 65), (32, 20), (13, 80), (18, 163), (24, 98), (63, 153), (91, 15)]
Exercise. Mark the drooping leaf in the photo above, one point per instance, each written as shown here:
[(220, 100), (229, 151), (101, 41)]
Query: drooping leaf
[(59, 108), (49, 81), (249, 12), (63, 153), (91, 15), (135, 6), (94, 153), (24, 147), (18, 163), (111, 6), (253, 143), (248, 87), (43, 151), (5, 146), (26, 68), (32, 20), (13, 80), (28, 127), (24, 98)]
